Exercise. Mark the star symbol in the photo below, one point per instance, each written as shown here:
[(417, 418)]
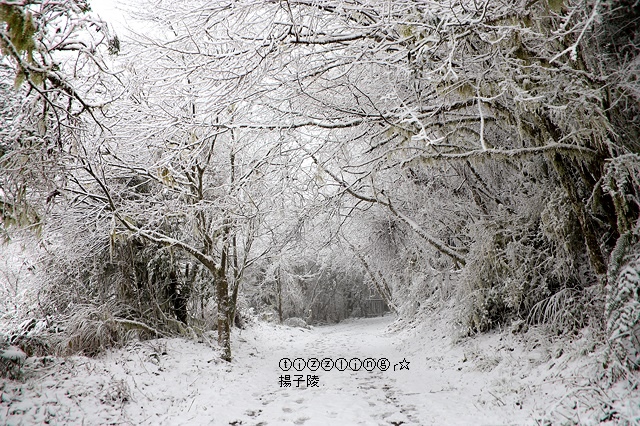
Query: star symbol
[(404, 364)]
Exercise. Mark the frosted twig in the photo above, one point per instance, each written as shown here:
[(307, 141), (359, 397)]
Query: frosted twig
[(572, 50)]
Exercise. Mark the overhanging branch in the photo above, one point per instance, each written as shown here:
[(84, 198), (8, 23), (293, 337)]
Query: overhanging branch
[(433, 241)]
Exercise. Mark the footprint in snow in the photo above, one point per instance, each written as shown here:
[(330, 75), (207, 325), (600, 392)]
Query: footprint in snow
[(253, 413)]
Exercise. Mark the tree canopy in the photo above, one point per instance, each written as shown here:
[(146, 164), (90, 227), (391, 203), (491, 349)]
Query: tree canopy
[(479, 151)]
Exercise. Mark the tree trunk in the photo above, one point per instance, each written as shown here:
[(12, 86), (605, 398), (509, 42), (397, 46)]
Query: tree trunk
[(224, 325), (233, 302), (279, 294), (596, 258)]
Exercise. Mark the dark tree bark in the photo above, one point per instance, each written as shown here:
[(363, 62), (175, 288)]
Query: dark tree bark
[(224, 307), (596, 258)]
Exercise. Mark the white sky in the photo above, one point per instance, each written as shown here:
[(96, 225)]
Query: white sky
[(110, 11)]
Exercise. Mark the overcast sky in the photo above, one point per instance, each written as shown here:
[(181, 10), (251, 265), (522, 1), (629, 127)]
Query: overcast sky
[(109, 10)]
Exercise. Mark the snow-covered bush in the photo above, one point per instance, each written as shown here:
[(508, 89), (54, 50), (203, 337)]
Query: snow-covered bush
[(92, 329), (524, 264), (622, 181), (296, 322), (623, 319), (83, 292), (11, 360)]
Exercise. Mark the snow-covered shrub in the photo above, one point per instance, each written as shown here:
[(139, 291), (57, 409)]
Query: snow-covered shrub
[(84, 299), (22, 320), (622, 182), (32, 337), (11, 360), (623, 319), (98, 289), (117, 393), (163, 285), (296, 322), (91, 329), (524, 265)]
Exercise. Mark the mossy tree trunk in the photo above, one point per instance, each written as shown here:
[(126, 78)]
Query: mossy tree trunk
[(596, 258)]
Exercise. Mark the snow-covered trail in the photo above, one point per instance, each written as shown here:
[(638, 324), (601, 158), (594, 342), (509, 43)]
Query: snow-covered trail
[(421, 395), (180, 382), (341, 397)]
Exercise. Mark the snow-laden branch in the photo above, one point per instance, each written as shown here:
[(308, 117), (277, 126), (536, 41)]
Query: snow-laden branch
[(573, 49), (433, 241), (286, 126), (497, 154)]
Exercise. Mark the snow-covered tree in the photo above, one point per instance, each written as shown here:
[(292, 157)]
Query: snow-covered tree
[(488, 141), (494, 114), (50, 75)]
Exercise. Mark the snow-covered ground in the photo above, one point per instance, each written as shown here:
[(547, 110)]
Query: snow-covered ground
[(494, 379)]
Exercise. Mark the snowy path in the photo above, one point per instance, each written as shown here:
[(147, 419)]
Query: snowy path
[(345, 397), (178, 382), (423, 395)]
